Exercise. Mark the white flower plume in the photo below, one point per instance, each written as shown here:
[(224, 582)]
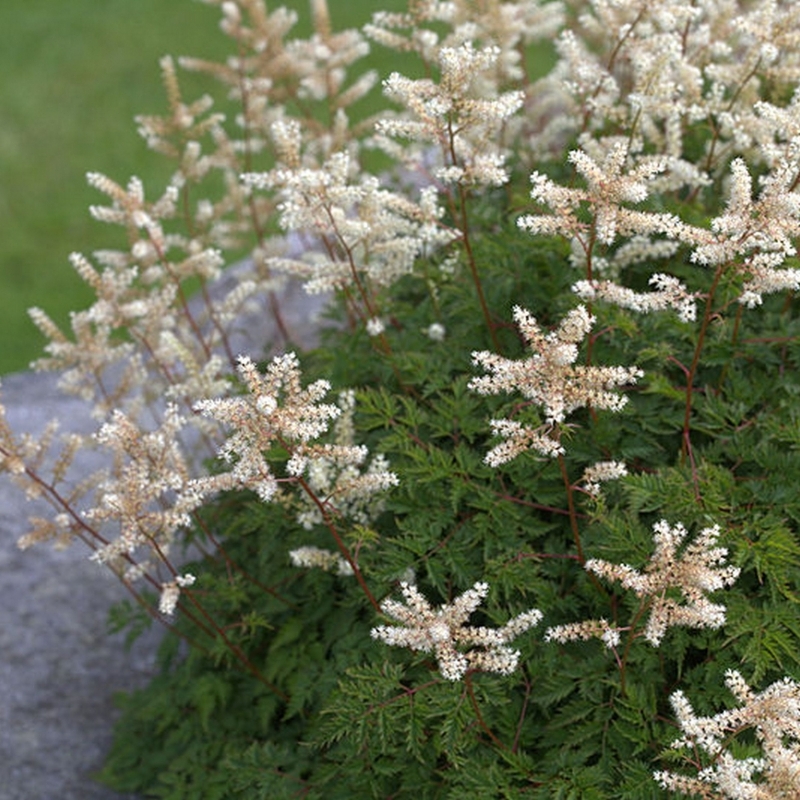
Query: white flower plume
[(444, 630), (277, 409), (608, 186), (773, 715), (694, 572), (550, 379)]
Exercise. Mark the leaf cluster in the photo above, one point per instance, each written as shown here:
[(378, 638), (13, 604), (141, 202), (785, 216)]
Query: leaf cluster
[(270, 683), (355, 719)]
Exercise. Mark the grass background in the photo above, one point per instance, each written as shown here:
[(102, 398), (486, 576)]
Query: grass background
[(74, 75)]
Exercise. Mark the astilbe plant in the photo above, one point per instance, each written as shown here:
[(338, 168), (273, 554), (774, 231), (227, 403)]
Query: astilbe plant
[(562, 330)]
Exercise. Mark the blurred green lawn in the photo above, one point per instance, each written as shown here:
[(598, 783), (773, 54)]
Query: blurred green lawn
[(73, 74)]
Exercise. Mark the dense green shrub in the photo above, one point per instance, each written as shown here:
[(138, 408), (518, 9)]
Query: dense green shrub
[(543, 543)]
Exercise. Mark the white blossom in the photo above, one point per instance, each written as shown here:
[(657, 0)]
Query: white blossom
[(590, 629), (340, 476), (375, 326), (774, 717), (276, 409), (670, 293), (309, 556), (171, 591), (695, 570), (550, 379), (600, 472), (436, 332), (444, 632)]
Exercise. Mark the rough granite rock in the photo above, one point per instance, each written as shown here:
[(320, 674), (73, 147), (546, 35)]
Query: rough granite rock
[(59, 670)]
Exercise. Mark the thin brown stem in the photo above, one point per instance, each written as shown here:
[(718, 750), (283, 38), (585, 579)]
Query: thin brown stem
[(573, 521), (473, 269), (91, 537), (234, 565), (460, 212), (343, 549), (478, 716), (708, 315), (573, 518), (715, 136), (521, 721)]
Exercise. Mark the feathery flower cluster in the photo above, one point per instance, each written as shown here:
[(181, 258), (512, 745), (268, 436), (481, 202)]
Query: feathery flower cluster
[(638, 249), (608, 186), (26, 459), (436, 332), (582, 631), (773, 715), (321, 62), (509, 25), (443, 631), (761, 232), (693, 572), (503, 29), (548, 379), (367, 232), (171, 593), (632, 83), (454, 116), (315, 557), (654, 70), (182, 349), (601, 472), (669, 293), (275, 410), (149, 494), (185, 122), (375, 326), (343, 485), (270, 70)]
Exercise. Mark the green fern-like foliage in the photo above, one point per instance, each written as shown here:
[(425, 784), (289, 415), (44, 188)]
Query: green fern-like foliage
[(339, 716), (281, 680)]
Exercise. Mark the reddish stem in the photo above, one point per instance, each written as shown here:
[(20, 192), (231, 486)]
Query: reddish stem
[(478, 716), (343, 549)]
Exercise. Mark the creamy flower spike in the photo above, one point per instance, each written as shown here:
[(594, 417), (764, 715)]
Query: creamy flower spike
[(151, 496), (669, 293), (458, 115), (582, 631), (773, 716), (310, 557), (444, 632), (756, 236), (694, 571), (171, 592), (550, 380), (276, 409), (601, 472), (370, 235), (608, 185), (350, 487)]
